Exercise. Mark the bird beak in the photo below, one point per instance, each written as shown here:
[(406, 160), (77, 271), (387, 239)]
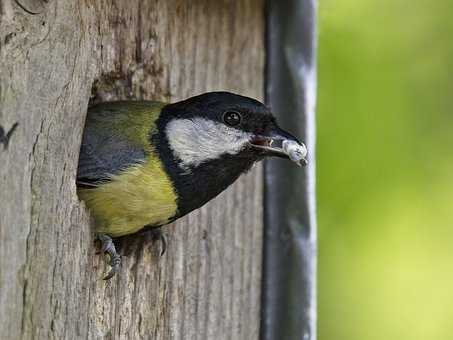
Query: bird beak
[(280, 143)]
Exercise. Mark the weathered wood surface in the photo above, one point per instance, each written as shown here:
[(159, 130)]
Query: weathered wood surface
[(207, 285)]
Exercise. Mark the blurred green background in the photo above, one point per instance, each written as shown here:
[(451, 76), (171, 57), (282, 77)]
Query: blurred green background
[(385, 170)]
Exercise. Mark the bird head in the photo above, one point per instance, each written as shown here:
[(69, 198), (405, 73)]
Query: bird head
[(221, 124), (206, 142)]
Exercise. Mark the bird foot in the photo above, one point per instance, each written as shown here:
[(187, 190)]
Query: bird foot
[(158, 235), (115, 259)]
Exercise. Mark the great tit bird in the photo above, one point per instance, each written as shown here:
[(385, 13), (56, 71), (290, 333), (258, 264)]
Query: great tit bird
[(144, 164)]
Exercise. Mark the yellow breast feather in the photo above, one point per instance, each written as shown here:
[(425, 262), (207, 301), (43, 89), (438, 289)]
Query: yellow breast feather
[(141, 195)]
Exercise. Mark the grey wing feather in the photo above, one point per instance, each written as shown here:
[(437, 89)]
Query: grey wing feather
[(103, 152)]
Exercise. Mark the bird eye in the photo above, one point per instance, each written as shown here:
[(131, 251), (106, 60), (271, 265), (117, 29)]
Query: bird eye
[(232, 118)]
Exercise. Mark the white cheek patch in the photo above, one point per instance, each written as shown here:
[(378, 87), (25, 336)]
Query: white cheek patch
[(197, 140)]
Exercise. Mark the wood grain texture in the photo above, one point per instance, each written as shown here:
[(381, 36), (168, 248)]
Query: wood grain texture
[(207, 286)]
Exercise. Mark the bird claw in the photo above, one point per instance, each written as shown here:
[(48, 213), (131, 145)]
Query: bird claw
[(115, 259), (115, 263), (107, 246), (158, 235)]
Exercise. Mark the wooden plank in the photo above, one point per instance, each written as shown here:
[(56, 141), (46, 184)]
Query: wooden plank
[(208, 284)]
